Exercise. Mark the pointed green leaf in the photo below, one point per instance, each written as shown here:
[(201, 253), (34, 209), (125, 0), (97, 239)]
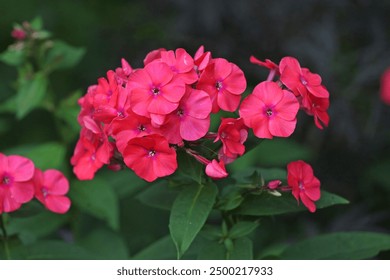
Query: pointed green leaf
[(13, 56), (30, 93), (242, 229), (267, 204), (243, 250), (339, 246), (97, 198), (189, 213), (62, 56)]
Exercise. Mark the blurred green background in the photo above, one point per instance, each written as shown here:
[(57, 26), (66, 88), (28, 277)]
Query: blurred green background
[(346, 42)]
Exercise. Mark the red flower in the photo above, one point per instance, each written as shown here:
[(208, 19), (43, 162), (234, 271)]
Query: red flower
[(267, 64), (18, 34), (191, 120), (224, 82), (15, 182), (50, 189), (305, 186), (299, 80), (150, 157), (155, 91), (233, 134), (270, 111), (385, 87), (216, 170)]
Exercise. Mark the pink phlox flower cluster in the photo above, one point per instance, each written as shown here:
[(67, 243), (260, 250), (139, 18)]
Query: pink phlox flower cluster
[(21, 181)]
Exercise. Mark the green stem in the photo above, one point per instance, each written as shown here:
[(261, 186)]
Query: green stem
[(5, 238)]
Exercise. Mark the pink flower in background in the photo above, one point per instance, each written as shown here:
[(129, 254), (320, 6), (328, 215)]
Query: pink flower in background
[(270, 111), (216, 170), (305, 186), (150, 157), (300, 80), (385, 87), (16, 187), (191, 120), (18, 34), (154, 91), (51, 186), (224, 82)]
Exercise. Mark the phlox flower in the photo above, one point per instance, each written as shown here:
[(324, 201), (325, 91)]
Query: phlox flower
[(191, 120), (16, 187), (232, 133), (180, 63), (267, 64), (201, 59), (224, 82), (51, 186), (150, 157), (299, 80), (155, 91), (305, 186), (270, 111)]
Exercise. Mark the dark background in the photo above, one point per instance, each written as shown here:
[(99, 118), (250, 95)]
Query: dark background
[(346, 42)]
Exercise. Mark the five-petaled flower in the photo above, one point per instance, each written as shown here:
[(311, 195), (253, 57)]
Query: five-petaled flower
[(270, 111), (16, 187), (51, 186), (305, 186)]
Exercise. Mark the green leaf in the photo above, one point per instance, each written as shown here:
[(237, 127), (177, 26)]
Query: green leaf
[(243, 250), (231, 199), (242, 229), (339, 246), (13, 56), (125, 183), (45, 156), (63, 56), (31, 92), (30, 229), (189, 213), (105, 245), (158, 195), (267, 205), (162, 249), (37, 23), (51, 250), (189, 168), (98, 199)]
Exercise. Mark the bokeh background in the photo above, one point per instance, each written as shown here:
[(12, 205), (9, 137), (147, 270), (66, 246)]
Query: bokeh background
[(346, 42)]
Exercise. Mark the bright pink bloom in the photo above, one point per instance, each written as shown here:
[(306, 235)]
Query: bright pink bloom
[(232, 133), (224, 82), (270, 111), (155, 91), (130, 127), (318, 108), (299, 80), (274, 184), (385, 87), (191, 120), (18, 34), (51, 187), (15, 185), (216, 170), (305, 186), (180, 63), (92, 151), (150, 157)]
